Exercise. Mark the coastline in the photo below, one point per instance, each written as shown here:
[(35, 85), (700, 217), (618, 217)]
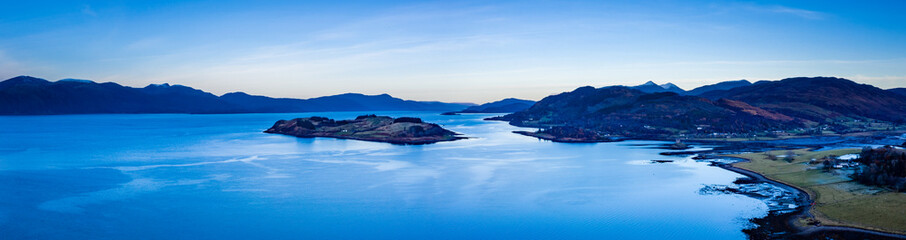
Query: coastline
[(783, 225), (552, 138), (804, 201), (660, 137)]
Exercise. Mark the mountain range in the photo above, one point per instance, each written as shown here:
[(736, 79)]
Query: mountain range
[(728, 107), (651, 87), (731, 106), (26, 95)]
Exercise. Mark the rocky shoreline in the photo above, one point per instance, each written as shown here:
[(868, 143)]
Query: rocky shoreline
[(784, 221), (780, 223)]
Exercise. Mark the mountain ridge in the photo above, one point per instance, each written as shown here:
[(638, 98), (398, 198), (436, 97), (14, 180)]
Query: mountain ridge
[(507, 105), (25, 95), (725, 85), (789, 106), (652, 87), (821, 99)]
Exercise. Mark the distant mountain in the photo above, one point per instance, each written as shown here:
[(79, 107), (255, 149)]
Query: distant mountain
[(727, 85), (508, 105), (262, 104), (30, 96), (820, 99), (631, 112), (651, 87), (670, 87), (901, 91), (341, 102), (383, 102), (75, 80)]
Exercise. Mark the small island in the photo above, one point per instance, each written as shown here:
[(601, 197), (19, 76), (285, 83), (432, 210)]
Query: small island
[(403, 130)]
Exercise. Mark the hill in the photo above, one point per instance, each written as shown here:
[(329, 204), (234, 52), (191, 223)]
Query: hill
[(821, 99), (651, 87), (34, 96), (508, 105), (341, 102), (736, 109), (901, 91), (627, 112), (727, 85)]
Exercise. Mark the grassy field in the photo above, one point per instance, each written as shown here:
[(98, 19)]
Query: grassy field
[(839, 200)]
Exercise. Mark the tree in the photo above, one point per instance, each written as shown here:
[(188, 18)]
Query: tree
[(827, 165)]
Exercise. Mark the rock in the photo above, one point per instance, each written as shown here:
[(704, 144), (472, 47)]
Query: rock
[(679, 145)]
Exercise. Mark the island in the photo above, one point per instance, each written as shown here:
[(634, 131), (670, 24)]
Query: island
[(403, 130)]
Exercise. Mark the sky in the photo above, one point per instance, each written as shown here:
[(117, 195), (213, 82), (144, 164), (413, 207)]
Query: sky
[(454, 51)]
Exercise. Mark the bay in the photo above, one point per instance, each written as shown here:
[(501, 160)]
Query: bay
[(176, 176)]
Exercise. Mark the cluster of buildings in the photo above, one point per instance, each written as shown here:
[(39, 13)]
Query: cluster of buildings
[(845, 162)]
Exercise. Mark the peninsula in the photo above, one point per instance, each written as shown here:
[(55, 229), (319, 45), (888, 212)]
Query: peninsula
[(845, 193), (403, 130)]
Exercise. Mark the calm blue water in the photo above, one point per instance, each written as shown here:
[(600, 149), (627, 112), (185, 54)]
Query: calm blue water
[(219, 177)]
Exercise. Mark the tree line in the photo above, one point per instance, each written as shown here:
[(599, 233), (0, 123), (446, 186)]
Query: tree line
[(883, 166)]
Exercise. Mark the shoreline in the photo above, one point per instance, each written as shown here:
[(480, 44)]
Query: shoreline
[(804, 201), (653, 137), (773, 225), (552, 138)]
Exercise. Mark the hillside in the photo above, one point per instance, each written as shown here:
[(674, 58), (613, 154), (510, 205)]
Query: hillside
[(34, 96), (735, 109), (508, 105), (727, 85), (28, 95), (901, 91), (821, 99), (628, 112)]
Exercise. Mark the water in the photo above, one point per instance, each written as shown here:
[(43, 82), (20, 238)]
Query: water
[(219, 177)]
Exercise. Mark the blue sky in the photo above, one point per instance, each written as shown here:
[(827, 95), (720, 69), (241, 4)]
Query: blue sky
[(461, 51)]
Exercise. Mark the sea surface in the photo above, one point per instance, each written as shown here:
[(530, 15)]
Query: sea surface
[(176, 176)]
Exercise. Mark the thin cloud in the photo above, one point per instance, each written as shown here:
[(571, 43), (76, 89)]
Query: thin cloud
[(738, 8), (802, 13), (88, 11), (9, 66)]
